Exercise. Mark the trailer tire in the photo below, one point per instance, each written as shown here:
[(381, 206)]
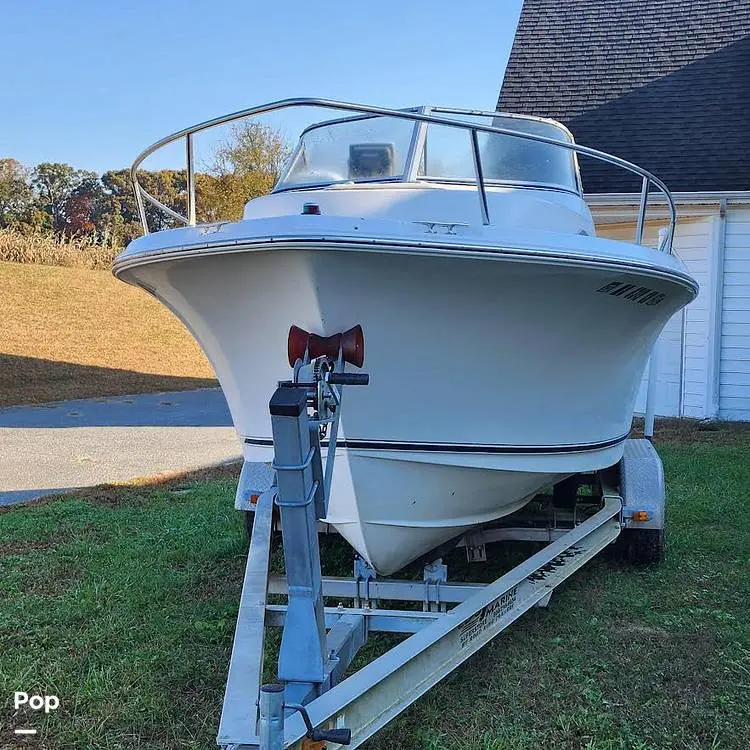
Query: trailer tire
[(644, 546)]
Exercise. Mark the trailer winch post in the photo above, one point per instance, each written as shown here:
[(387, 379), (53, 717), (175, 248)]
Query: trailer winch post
[(302, 658)]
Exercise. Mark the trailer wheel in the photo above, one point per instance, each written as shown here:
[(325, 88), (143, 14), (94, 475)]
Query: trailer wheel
[(644, 546), (643, 493)]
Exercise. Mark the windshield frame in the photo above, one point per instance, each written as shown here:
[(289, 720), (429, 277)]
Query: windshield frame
[(413, 158), (298, 150)]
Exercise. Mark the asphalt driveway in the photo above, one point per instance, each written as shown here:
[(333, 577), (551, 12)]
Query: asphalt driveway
[(51, 448)]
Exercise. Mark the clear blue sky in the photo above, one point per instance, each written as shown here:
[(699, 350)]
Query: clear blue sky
[(93, 82)]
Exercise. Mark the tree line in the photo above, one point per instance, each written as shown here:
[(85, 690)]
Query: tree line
[(60, 199)]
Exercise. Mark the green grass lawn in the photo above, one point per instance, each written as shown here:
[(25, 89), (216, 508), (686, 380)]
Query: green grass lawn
[(124, 606)]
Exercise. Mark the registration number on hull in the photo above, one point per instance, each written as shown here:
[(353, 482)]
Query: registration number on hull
[(632, 292)]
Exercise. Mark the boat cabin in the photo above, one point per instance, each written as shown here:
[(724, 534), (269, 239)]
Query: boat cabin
[(384, 167)]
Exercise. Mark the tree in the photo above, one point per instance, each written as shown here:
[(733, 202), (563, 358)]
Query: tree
[(18, 203), (118, 216), (71, 201), (245, 166), (223, 197), (252, 148), (55, 184)]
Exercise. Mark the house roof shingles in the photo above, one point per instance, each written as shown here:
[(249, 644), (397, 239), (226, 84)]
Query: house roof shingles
[(662, 83)]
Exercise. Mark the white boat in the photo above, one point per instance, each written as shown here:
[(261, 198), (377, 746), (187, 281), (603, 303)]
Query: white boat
[(505, 342)]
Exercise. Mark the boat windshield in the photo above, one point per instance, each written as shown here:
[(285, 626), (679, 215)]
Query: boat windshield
[(378, 149), (357, 149), (506, 159)]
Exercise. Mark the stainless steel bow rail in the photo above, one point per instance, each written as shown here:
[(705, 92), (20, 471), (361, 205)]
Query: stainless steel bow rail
[(429, 115), (312, 700)]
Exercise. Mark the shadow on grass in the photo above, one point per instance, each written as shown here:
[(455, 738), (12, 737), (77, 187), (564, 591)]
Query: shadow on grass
[(30, 380), (685, 431), (115, 495)]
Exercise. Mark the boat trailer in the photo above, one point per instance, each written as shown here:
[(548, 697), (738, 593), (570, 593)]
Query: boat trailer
[(314, 704)]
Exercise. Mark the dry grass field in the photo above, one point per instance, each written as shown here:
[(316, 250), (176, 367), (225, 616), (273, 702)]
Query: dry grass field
[(76, 332), (53, 250)]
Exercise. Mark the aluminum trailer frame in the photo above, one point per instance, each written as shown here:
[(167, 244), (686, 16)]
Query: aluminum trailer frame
[(313, 702)]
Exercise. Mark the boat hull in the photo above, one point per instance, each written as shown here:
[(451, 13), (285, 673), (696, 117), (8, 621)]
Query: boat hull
[(492, 375), (392, 510)]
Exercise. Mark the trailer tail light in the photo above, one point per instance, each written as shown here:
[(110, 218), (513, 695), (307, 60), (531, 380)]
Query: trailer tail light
[(351, 344), (640, 515)]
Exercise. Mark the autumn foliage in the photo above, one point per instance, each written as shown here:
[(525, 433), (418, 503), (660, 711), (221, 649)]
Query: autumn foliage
[(58, 212)]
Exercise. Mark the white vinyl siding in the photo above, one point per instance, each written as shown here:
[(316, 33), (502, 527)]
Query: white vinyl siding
[(734, 383), (692, 242), (691, 334)]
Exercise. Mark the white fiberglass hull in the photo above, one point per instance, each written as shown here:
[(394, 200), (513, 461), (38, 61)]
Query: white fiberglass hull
[(493, 372)]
